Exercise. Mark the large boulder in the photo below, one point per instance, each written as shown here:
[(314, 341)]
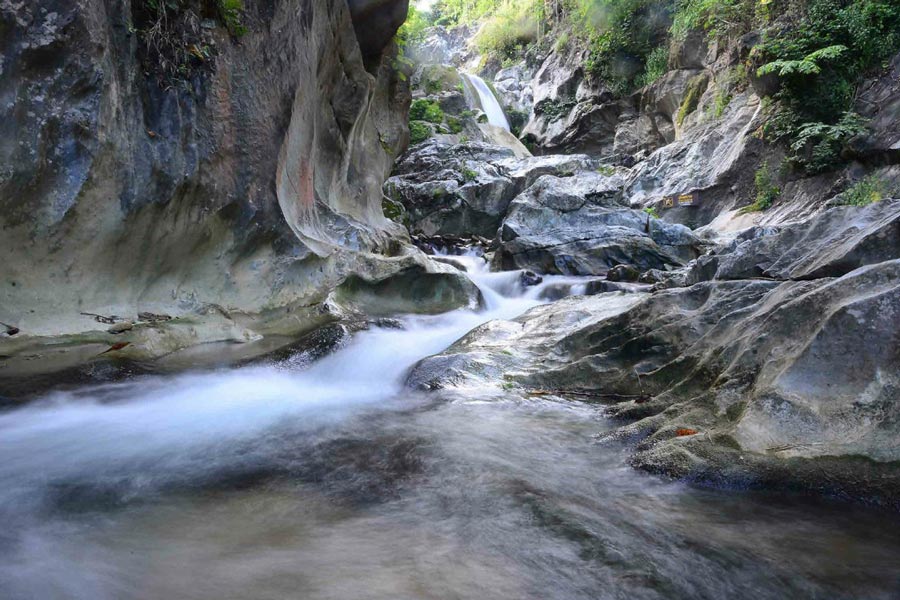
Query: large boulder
[(465, 189), (578, 226)]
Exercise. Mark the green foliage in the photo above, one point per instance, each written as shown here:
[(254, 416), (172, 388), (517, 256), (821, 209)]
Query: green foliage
[(817, 146), (426, 110), (454, 124), (766, 190), (419, 131), (469, 175), (866, 191), (716, 17), (413, 29), (650, 210), (808, 65), (656, 67), (819, 57), (606, 170), (555, 109), (508, 30), (622, 34), (230, 12)]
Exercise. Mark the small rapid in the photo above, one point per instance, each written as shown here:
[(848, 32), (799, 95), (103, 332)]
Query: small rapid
[(152, 431), (331, 480)]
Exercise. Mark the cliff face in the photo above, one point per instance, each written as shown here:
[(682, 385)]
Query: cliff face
[(169, 162)]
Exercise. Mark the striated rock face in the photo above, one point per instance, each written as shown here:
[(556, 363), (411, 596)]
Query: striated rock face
[(246, 177), (748, 382)]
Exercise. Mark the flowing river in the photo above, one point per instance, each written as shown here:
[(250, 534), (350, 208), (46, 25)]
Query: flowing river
[(331, 480)]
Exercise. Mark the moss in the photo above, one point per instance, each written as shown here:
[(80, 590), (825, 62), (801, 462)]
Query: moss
[(695, 89)]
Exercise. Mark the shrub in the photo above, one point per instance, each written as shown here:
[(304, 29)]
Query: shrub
[(469, 175), (817, 147), (650, 210), (419, 131), (656, 67), (621, 36), (506, 33), (866, 191), (766, 190), (413, 29), (819, 58), (426, 110), (717, 17), (454, 124)]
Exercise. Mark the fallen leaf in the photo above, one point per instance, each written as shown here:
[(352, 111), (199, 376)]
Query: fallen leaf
[(116, 346), (685, 431)]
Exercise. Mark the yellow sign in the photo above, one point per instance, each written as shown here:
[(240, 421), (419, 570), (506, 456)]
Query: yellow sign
[(680, 200)]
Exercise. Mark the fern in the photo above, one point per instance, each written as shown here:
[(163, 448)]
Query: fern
[(808, 65)]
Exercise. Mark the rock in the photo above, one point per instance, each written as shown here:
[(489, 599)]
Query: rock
[(577, 226), (513, 86), (121, 327), (623, 273), (830, 244), (710, 159), (465, 189), (123, 185), (530, 278), (772, 373)]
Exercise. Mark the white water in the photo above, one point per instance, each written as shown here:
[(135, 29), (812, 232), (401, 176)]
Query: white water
[(157, 429), (488, 101)]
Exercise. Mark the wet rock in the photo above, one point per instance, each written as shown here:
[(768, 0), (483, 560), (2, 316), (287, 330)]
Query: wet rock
[(530, 278), (780, 349), (121, 327), (623, 273), (423, 286), (830, 244)]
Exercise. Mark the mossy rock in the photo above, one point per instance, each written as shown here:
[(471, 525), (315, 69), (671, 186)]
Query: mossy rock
[(439, 78), (695, 88)]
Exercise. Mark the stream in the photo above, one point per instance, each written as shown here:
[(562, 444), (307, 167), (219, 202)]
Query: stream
[(332, 480)]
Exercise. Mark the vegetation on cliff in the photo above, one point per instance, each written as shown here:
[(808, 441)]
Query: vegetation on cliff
[(806, 57)]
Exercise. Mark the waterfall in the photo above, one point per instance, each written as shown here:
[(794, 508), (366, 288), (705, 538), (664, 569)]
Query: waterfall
[(488, 101)]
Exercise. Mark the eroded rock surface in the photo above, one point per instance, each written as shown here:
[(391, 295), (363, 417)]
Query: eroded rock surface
[(739, 382), (246, 177)]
